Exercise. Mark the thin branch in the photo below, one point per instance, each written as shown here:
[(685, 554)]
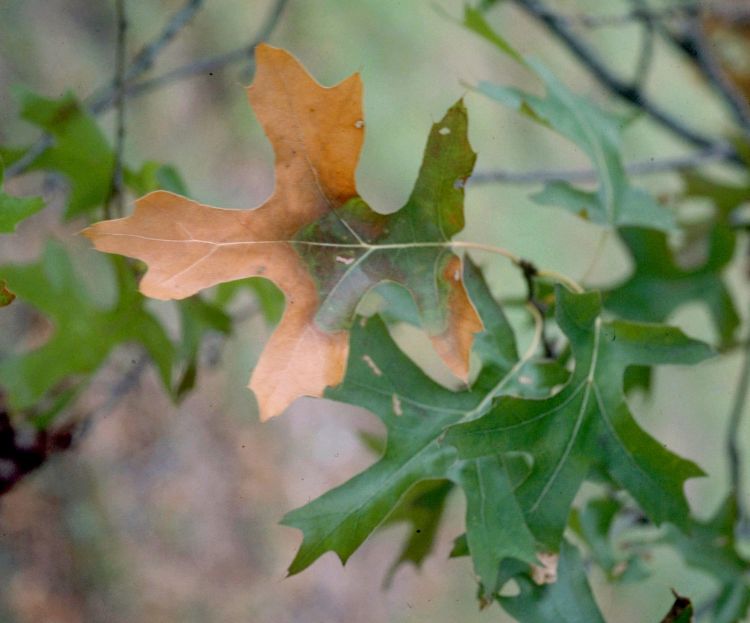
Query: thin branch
[(637, 14), (213, 63), (737, 15), (146, 57), (715, 75), (143, 62), (641, 167), (98, 104), (559, 28), (117, 191), (646, 54), (692, 42), (127, 383), (732, 440), (28, 158)]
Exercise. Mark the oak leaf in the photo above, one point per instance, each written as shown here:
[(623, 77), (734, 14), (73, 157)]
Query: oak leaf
[(416, 411), (315, 237), (588, 423)]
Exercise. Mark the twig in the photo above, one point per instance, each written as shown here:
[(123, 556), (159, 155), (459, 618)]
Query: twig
[(693, 44), (213, 63), (145, 59), (129, 381), (516, 260), (646, 54), (738, 15), (707, 63), (529, 272), (96, 105), (732, 435), (590, 60), (146, 56), (117, 189), (641, 167)]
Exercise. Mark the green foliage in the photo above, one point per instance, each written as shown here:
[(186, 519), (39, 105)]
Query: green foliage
[(155, 176), (658, 285), (568, 600), (84, 332), (80, 150), (416, 412), (588, 423)]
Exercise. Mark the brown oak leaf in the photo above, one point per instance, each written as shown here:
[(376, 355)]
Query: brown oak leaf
[(314, 237)]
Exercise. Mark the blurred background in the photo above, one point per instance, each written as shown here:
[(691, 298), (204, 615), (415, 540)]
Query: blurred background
[(170, 513)]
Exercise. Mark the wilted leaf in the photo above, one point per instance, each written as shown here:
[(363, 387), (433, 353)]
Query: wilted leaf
[(14, 209), (198, 317), (616, 202), (84, 333), (80, 150), (588, 422), (315, 238)]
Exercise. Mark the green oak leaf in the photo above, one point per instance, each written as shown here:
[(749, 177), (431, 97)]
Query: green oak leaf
[(712, 546), (416, 412), (495, 526), (568, 600), (15, 209), (658, 285), (80, 150), (588, 423), (615, 203), (84, 333)]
